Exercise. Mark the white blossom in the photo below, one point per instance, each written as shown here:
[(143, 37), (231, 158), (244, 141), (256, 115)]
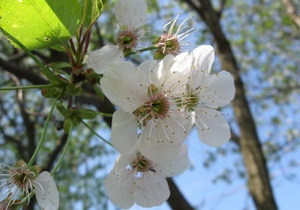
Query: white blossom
[(147, 98), (136, 179), (131, 15), (204, 94), (19, 181)]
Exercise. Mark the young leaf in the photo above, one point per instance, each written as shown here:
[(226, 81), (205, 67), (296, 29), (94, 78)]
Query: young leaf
[(91, 10), (40, 24)]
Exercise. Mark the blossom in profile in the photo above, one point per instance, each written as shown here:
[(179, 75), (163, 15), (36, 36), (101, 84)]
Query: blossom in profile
[(205, 94), (149, 115), (130, 15), (19, 181), (136, 179), (170, 42)]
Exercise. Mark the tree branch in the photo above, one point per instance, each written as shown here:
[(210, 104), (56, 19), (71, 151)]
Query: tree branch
[(176, 199), (292, 12)]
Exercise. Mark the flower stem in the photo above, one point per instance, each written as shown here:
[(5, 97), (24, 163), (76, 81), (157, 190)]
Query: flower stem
[(105, 114), (64, 151), (26, 87), (141, 50), (42, 139), (92, 130)]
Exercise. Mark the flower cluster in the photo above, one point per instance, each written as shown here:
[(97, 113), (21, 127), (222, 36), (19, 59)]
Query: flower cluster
[(159, 103), (18, 183)]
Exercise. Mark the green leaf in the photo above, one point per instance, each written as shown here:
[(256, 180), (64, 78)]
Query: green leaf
[(73, 89), (40, 24), (67, 125), (91, 10), (99, 92), (85, 113), (65, 112), (51, 92)]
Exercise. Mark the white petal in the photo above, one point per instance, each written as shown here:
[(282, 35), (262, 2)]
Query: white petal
[(46, 192), (213, 129), (124, 132), (203, 58), (147, 67), (162, 71), (131, 13), (173, 73), (157, 151), (125, 86), (175, 166), (218, 90), (100, 59), (171, 130), (175, 128), (152, 190), (120, 188), (123, 161), (183, 63)]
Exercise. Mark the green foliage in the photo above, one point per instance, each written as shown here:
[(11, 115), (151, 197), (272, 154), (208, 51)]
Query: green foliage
[(40, 24), (92, 9), (74, 115)]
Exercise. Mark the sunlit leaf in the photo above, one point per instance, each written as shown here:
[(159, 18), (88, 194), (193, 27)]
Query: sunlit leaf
[(40, 23)]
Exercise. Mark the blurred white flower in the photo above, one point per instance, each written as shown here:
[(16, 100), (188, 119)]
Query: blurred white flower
[(136, 179), (19, 181)]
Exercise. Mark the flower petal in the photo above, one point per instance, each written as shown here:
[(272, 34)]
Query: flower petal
[(203, 58), (162, 71), (131, 13), (175, 166), (125, 86), (124, 132), (172, 130), (152, 190), (219, 90), (147, 67), (157, 151), (100, 59), (213, 129), (123, 161), (46, 192), (182, 63), (120, 188)]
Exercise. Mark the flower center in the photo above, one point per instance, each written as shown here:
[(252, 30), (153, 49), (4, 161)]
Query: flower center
[(188, 103), (156, 107), (166, 44), (22, 178), (141, 165), (127, 40)]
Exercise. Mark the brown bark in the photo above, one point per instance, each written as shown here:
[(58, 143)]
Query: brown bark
[(176, 200), (258, 176), (292, 11)]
